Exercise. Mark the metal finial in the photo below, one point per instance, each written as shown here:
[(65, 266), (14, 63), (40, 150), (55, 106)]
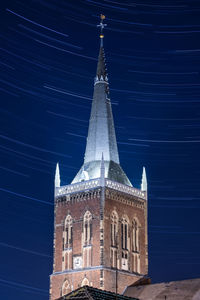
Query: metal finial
[(102, 25)]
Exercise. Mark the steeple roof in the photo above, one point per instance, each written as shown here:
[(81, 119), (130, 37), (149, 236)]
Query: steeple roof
[(101, 133)]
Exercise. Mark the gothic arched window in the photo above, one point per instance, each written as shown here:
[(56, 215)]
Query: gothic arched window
[(135, 237), (68, 232), (66, 289), (124, 234), (114, 239), (125, 243), (114, 229), (135, 246), (87, 228)]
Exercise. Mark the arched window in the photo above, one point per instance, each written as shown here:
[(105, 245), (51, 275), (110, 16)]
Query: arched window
[(125, 243), (114, 239), (66, 289), (124, 234), (87, 228), (67, 244), (135, 246), (68, 232), (85, 282), (135, 237), (87, 239), (114, 229)]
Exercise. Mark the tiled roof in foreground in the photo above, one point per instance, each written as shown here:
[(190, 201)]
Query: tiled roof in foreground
[(90, 293), (188, 289)]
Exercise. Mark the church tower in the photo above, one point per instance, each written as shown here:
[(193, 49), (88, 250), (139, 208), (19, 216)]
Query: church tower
[(100, 229)]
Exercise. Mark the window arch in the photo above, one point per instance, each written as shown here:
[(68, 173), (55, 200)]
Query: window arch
[(124, 233), (114, 228), (85, 281), (135, 246), (125, 243), (68, 232), (114, 239), (66, 288), (135, 236), (87, 228)]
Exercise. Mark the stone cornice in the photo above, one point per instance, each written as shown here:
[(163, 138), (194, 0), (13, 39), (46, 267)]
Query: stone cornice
[(95, 193), (87, 186)]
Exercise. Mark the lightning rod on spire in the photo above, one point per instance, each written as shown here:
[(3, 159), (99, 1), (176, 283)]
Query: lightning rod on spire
[(102, 25)]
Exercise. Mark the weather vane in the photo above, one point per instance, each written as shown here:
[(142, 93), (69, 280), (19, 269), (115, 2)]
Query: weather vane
[(102, 25)]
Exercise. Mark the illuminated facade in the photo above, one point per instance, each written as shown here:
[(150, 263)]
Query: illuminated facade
[(100, 233)]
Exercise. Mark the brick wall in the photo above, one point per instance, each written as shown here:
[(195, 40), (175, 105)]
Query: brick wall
[(100, 274)]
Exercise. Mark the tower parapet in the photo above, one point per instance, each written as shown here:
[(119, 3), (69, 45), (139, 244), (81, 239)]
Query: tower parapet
[(94, 183)]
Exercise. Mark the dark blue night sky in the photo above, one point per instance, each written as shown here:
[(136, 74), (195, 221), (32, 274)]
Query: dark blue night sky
[(48, 62)]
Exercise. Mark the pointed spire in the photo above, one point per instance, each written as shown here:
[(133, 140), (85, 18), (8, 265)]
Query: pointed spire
[(102, 171), (101, 133), (57, 176), (144, 181)]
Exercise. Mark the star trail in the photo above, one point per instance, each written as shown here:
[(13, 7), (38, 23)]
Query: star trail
[(48, 59)]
